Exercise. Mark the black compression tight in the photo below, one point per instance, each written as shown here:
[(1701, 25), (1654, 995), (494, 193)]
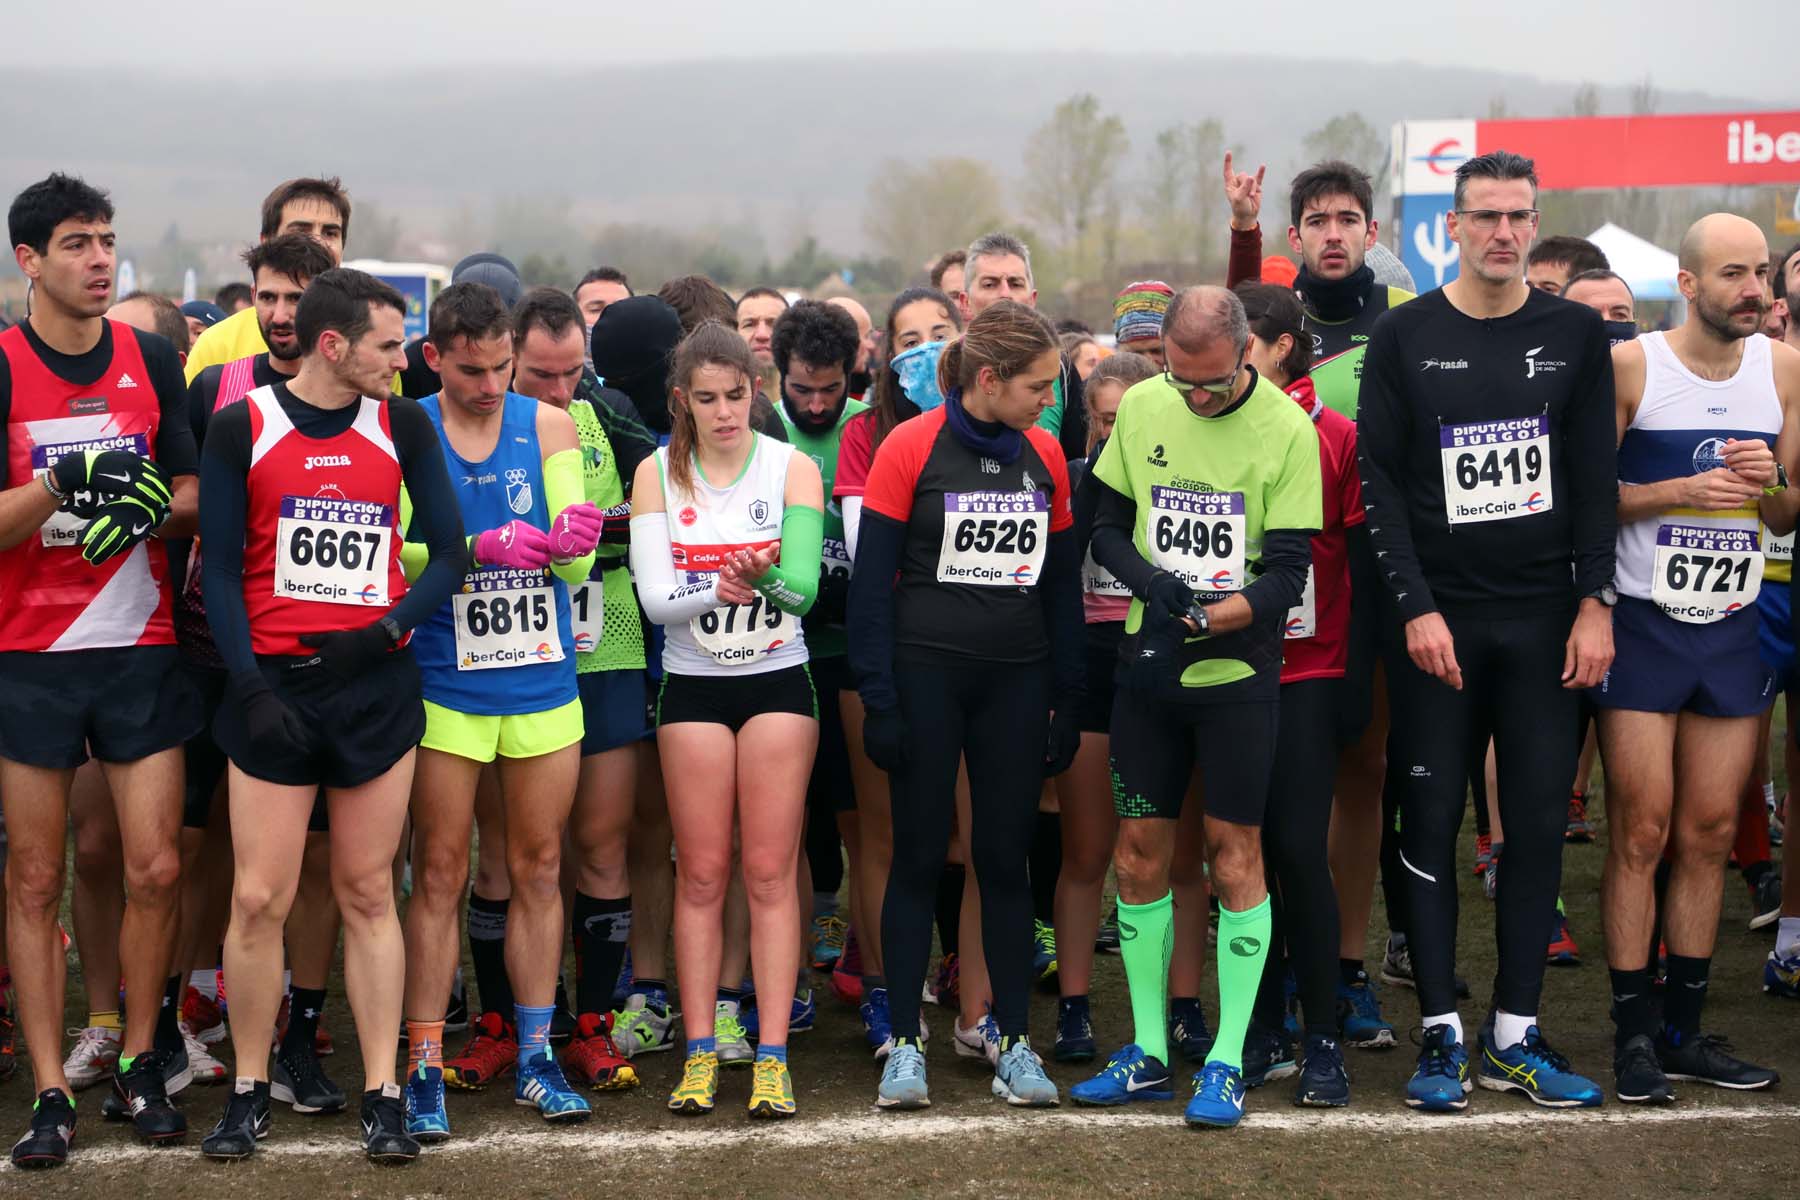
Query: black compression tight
[(996, 716)]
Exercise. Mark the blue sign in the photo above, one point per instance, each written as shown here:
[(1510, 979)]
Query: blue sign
[(416, 289), (1424, 243)]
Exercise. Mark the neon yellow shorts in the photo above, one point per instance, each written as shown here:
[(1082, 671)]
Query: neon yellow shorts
[(521, 735)]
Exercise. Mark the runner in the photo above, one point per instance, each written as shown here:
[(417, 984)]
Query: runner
[(598, 288), (969, 506), (1138, 313), (1557, 259), (949, 272), (1698, 409), (998, 267), (863, 377), (294, 477), (100, 470), (1492, 515), (499, 685), (725, 536)]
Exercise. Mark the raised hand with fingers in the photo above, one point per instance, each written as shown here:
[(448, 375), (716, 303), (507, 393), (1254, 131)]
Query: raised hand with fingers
[(1244, 192)]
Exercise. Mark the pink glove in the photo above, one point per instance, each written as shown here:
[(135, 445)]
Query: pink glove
[(576, 531), (515, 544)]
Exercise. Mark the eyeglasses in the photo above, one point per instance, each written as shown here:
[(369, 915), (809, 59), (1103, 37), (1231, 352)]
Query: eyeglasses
[(1488, 219), (1212, 387)]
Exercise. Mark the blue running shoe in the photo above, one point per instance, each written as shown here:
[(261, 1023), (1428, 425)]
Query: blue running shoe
[(1781, 976), (622, 989), (1074, 1031), (800, 1016), (541, 1085), (1043, 951), (1290, 1004), (903, 1079), (1268, 1056), (426, 1118), (1359, 1016), (1218, 1097), (1324, 1081), (1533, 1068), (1441, 1081), (1128, 1075), (877, 1029), (1187, 1029), (1019, 1078)]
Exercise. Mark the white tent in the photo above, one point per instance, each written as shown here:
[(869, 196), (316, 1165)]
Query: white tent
[(1647, 268)]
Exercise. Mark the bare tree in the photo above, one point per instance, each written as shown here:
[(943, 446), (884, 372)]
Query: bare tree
[(914, 214), (1181, 206), (1071, 167)]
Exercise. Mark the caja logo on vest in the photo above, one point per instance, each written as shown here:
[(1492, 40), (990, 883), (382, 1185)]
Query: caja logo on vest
[(369, 594), (1293, 627), (1218, 580), (1534, 502), (584, 643), (544, 652), (1021, 575)]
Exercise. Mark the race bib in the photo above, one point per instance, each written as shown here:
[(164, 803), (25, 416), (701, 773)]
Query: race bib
[(1702, 574), (994, 539), (1096, 580), (1496, 470), (505, 618), (65, 528), (332, 551), (1780, 549), (1302, 619), (587, 615), (1198, 536), (739, 634), (834, 558)]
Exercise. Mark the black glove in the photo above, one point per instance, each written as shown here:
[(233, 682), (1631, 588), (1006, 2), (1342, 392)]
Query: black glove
[(1065, 737), (118, 525), (347, 653), (275, 730), (1167, 594), (1155, 660), (90, 478), (884, 738)]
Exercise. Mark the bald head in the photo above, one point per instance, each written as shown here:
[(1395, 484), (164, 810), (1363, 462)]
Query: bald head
[(1199, 317), (1721, 237), (864, 328)]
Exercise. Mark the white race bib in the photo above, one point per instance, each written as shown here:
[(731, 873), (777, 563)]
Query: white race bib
[(1496, 470), (739, 634), (1302, 619), (1198, 536), (587, 615), (65, 528), (332, 551), (1702, 574), (834, 558), (1096, 580), (505, 618), (994, 539), (1780, 549)]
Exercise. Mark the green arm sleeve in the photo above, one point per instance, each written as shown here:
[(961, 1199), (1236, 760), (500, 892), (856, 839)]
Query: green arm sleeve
[(563, 486), (1052, 418), (413, 555), (794, 584)]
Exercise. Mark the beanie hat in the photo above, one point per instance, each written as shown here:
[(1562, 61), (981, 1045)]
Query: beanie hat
[(1279, 269), (495, 270), (1138, 310)]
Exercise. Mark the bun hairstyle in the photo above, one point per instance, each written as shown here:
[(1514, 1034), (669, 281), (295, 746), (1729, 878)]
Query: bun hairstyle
[(709, 345), (1006, 337)]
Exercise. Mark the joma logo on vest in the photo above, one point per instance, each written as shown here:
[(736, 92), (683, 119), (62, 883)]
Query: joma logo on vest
[(327, 460)]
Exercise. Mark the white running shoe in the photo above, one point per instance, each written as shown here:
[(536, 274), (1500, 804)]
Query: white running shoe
[(206, 1068), (983, 1041), (95, 1056)]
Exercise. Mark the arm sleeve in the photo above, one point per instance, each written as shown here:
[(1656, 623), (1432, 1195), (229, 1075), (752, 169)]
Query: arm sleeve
[(563, 486), (793, 583), (1061, 513), (224, 476), (1287, 553), (870, 624), (1245, 260), (852, 524), (175, 451), (200, 398), (1115, 519), (1592, 441), (1061, 596), (664, 599), (436, 515), (1349, 483), (1381, 455)]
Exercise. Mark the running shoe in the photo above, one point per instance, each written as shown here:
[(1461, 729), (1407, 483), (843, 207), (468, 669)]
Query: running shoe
[(1563, 951), (1533, 1069), (9, 1034), (427, 1118), (1074, 1031), (540, 1084), (946, 982), (384, 1136), (1019, 1077), (1490, 878), (828, 932), (1324, 1080), (205, 1066), (1484, 854), (202, 1016), (728, 1031), (144, 1094), (983, 1041), (622, 989), (46, 1142), (645, 1025), (903, 1079), (1267, 1055), (1106, 941), (846, 973), (1397, 968), (1638, 1077), (1765, 900), (1578, 828), (1776, 830), (1359, 1018), (1218, 1097), (246, 1122), (1707, 1058), (771, 1089), (300, 1081), (801, 1014), (491, 1051), (562, 1019), (1129, 1075), (592, 1059), (456, 1013), (878, 1031), (1440, 1082), (176, 1076), (1187, 1029), (699, 1084), (94, 1057), (1781, 976), (1043, 950)]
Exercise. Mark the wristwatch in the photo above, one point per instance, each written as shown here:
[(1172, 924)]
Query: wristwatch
[(1606, 594), (1781, 482), (1198, 615), (392, 628)]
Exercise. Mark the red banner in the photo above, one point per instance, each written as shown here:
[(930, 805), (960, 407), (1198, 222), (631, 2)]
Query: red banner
[(1709, 149)]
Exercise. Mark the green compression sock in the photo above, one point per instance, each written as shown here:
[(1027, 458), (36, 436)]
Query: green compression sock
[(1243, 947), (1146, 937)]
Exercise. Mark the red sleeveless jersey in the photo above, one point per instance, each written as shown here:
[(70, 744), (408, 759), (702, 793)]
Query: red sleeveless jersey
[(50, 598), (321, 531)]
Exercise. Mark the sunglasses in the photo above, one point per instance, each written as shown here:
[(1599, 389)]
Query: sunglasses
[(1212, 387)]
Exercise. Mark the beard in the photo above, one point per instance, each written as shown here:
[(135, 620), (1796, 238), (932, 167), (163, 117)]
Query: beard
[(1722, 320)]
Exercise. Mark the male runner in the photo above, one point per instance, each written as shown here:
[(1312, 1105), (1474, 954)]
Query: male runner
[(998, 267), (1484, 449), (598, 288), (1698, 410), (1555, 260), (94, 431)]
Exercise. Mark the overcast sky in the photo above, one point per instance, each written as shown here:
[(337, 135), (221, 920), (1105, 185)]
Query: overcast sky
[(1742, 53)]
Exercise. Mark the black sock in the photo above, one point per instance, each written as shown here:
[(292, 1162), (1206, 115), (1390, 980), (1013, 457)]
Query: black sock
[(1631, 1011), (304, 1007), (731, 996), (487, 947), (562, 994), (1046, 865), (1350, 971), (871, 982), (601, 928), (1683, 996), (949, 906), (1754, 872), (168, 1018)]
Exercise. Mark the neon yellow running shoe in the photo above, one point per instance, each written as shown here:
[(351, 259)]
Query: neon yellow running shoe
[(699, 1084), (771, 1089)]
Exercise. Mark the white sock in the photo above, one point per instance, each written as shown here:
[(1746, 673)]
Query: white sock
[(1450, 1019), (1509, 1028), (206, 982), (1787, 937), (1769, 795), (287, 982)]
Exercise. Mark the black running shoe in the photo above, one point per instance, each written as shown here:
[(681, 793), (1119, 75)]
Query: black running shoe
[(384, 1138), (1324, 1081), (1707, 1058), (177, 1074), (1267, 1056), (300, 1080), (245, 1122), (46, 1143), (456, 1014), (1638, 1076), (145, 1097), (1765, 900)]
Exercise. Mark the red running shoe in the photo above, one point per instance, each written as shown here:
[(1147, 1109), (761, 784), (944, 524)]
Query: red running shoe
[(591, 1059), (491, 1051)]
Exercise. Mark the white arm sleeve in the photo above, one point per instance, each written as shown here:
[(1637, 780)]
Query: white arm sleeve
[(852, 507), (664, 600)]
